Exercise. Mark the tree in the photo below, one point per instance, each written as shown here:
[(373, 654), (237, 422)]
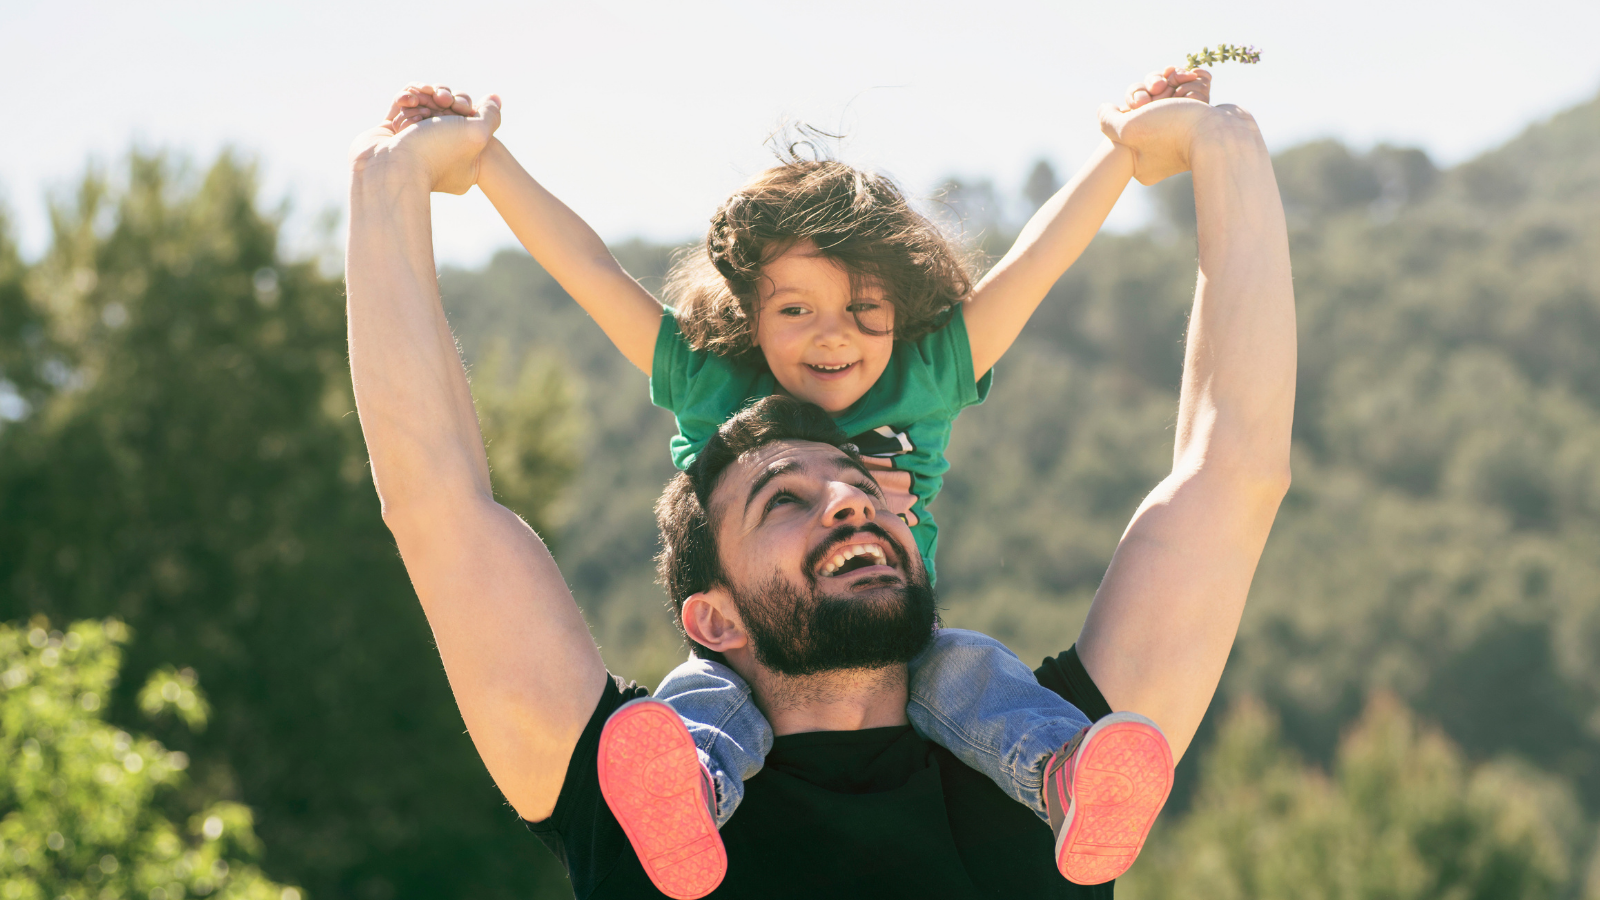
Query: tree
[(192, 464), (85, 807), (1403, 816)]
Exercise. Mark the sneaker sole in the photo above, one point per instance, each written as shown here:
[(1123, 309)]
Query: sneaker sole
[(1121, 776), (650, 777)]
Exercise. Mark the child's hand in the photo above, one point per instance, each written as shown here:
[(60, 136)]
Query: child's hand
[(422, 101), (1170, 82), (437, 130)]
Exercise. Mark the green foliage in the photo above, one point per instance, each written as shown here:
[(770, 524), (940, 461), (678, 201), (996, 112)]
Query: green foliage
[(1403, 816), (81, 811), (22, 336), (1439, 540), (190, 462), (170, 691), (528, 434)]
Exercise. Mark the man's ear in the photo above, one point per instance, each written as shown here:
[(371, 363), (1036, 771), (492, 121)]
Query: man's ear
[(711, 621)]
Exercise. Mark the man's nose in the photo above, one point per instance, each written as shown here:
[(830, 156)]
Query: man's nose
[(848, 505)]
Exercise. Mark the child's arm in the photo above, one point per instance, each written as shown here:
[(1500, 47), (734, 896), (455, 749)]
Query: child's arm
[(573, 254), (556, 237), (1058, 233)]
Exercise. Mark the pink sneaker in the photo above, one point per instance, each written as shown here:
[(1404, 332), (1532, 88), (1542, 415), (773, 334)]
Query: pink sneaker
[(1103, 791), (652, 779)]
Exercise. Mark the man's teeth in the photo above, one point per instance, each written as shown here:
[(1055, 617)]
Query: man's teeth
[(851, 552)]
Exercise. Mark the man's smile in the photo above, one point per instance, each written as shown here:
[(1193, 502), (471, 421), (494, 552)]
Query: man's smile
[(861, 552), (853, 557)]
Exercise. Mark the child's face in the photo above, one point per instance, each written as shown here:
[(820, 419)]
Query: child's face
[(806, 328)]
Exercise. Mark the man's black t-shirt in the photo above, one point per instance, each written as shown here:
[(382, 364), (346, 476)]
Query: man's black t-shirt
[(875, 813)]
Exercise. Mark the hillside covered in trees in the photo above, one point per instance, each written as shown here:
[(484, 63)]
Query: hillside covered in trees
[(1412, 709)]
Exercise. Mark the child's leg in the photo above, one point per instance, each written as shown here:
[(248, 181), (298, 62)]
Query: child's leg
[(973, 696), (730, 733)]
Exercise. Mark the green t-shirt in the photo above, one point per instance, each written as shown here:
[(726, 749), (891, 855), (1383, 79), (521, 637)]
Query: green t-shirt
[(902, 424)]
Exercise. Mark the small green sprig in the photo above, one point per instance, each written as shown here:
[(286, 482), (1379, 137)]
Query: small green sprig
[(1223, 53)]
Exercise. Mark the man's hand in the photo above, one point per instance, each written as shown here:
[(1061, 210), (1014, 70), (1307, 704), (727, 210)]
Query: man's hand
[(1162, 134), (1158, 121), (444, 147)]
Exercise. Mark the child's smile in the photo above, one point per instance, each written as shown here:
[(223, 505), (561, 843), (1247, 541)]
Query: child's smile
[(828, 373), (810, 329)]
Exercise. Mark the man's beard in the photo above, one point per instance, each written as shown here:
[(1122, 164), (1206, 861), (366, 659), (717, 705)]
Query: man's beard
[(804, 632)]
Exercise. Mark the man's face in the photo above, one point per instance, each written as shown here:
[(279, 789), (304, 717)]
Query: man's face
[(823, 576)]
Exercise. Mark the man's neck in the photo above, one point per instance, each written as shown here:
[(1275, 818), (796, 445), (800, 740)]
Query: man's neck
[(834, 701)]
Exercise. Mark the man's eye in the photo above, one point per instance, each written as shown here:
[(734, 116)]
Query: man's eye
[(781, 497)]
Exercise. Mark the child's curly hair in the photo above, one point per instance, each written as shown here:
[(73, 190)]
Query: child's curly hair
[(858, 219)]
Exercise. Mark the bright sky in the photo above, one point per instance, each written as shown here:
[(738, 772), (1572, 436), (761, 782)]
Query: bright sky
[(645, 115)]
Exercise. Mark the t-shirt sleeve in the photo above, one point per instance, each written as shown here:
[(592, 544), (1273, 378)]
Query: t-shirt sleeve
[(948, 354), (1066, 675), (670, 366), (699, 388), (582, 832)]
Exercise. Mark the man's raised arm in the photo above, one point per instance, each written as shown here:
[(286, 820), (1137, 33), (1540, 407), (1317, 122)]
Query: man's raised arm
[(519, 657), (1166, 615)]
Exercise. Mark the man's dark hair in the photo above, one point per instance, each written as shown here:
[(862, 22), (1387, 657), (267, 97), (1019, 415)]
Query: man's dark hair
[(688, 562)]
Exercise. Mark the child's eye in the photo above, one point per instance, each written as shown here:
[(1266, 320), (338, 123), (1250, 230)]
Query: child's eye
[(792, 311), (871, 315)]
